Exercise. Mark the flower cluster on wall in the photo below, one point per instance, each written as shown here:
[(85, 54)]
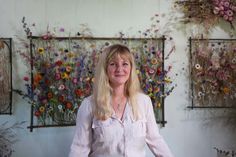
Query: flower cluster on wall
[(8, 138), (208, 13), (5, 76), (62, 70), (224, 153), (213, 72), (63, 76)]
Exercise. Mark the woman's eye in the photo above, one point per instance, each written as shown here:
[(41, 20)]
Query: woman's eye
[(125, 63), (112, 64)]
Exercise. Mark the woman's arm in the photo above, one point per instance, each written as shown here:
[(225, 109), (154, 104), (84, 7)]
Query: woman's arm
[(83, 135), (154, 140)]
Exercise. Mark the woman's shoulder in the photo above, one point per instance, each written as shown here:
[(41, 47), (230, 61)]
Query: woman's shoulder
[(144, 103), (143, 97), (88, 99), (143, 100), (87, 103)]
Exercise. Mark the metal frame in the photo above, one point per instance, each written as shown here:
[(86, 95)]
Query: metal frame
[(32, 126), (191, 73), (8, 43)]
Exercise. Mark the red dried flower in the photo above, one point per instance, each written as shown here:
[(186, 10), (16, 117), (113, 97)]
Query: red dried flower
[(78, 92), (50, 95), (68, 105), (37, 113), (61, 98), (59, 63)]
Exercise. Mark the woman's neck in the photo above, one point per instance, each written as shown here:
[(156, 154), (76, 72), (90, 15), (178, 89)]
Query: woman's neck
[(119, 100), (118, 91)]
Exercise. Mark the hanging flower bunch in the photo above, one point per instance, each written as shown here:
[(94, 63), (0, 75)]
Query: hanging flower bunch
[(225, 9), (207, 13), (214, 73)]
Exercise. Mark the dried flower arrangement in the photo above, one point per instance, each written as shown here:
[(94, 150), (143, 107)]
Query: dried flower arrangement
[(5, 76), (223, 153), (213, 72), (207, 13), (8, 138), (63, 70)]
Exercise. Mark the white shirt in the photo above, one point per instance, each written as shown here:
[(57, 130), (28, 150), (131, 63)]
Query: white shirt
[(116, 138)]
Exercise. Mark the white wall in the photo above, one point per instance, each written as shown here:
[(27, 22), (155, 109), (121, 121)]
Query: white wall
[(189, 133)]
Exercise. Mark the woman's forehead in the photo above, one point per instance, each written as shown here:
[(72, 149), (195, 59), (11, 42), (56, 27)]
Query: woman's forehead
[(119, 56)]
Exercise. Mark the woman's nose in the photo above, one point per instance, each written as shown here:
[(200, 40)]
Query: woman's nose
[(118, 68)]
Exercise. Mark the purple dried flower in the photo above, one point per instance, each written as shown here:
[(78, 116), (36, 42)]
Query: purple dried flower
[(62, 30)]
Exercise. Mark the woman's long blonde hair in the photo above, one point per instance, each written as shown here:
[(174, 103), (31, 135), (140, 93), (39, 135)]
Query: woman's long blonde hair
[(102, 90)]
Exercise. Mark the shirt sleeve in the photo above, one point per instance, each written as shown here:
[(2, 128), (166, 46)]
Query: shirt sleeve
[(81, 143), (154, 140)]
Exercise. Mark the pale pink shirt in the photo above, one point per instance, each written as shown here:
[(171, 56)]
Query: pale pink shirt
[(117, 138)]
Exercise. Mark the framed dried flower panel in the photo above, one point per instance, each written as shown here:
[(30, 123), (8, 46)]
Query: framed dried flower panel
[(5, 76), (213, 73), (62, 71)]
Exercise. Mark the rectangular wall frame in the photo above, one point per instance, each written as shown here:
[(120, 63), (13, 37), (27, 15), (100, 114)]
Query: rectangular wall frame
[(5, 76), (213, 73), (62, 72)]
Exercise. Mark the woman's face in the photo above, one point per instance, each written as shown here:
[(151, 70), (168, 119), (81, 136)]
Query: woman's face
[(118, 71)]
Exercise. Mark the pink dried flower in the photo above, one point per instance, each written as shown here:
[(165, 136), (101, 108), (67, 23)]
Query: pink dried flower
[(216, 10), (225, 17), (26, 78), (233, 8), (229, 13), (62, 87), (222, 75), (222, 13), (44, 101), (57, 76), (226, 4), (221, 8), (75, 80), (230, 19)]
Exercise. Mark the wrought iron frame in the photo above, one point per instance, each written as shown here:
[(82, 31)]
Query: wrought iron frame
[(162, 122), (191, 73), (8, 43)]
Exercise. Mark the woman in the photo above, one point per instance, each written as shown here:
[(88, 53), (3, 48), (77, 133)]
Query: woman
[(118, 119)]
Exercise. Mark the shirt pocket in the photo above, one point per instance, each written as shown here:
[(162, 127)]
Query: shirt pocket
[(139, 128), (103, 130)]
